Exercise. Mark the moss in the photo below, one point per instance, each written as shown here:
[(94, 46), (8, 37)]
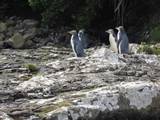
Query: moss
[(79, 96), (64, 104), (32, 68), (44, 110), (26, 77), (41, 112)]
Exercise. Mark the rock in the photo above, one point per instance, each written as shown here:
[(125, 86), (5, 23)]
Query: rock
[(1, 44), (14, 18), (107, 54), (28, 36), (100, 53), (17, 41), (2, 37), (33, 85), (3, 27), (30, 33), (28, 44), (100, 86), (29, 29), (10, 31), (75, 113), (21, 113), (4, 116), (133, 48), (128, 95), (30, 23), (34, 118), (157, 45), (10, 22)]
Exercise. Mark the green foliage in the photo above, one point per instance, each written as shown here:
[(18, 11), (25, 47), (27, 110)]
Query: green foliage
[(94, 14), (155, 34), (74, 13), (32, 68), (38, 5), (149, 49), (14, 8), (62, 13)]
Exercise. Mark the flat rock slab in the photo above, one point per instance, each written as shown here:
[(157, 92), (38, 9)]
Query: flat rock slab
[(69, 88)]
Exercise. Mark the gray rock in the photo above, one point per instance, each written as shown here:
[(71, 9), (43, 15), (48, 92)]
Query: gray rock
[(30, 33), (2, 37), (30, 23), (1, 44), (28, 44), (133, 48), (10, 22), (68, 88), (127, 95), (10, 31), (3, 27), (17, 41), (4, 116)]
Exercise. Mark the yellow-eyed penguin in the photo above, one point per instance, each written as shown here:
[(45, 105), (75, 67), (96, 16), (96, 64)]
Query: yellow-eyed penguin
[(112, 40)]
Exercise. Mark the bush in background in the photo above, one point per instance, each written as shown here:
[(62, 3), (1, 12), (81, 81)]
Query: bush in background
[(97, 15)]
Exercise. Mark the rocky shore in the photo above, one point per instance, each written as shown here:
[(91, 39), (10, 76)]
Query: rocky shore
[(49, 83), (39, 81), (18, 33)]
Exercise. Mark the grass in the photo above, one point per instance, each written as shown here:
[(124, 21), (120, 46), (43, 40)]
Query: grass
[(32, 68)]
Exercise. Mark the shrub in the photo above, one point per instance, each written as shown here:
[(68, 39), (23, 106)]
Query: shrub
[(15, 8), (38, 5), (73, 13), (155, 34), (32, 68), (149, 49)]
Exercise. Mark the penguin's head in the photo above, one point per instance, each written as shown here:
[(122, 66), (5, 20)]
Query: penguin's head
[(81, 32), (110, 31), (120, 28), (72, 32)]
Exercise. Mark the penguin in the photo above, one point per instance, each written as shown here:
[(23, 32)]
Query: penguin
[(122, 41), (83, 38), (112, 40), (76, 44)]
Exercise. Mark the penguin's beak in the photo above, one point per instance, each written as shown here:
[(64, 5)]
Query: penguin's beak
[(117, 28), (107, 31), (69, 32)]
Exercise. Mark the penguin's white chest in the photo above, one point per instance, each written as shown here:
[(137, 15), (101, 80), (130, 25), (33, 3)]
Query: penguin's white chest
[(113, 43)]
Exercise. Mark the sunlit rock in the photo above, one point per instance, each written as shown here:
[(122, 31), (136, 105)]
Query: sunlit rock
[(17, 41), (3, 27)]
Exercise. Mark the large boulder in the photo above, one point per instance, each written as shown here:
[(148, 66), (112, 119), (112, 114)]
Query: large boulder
[(1, 44), (70, 88), (3, 27), (29, 44), (30, 23), (2, 37), (30, 33), (127, 96), (11, 22), (17, 41)]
